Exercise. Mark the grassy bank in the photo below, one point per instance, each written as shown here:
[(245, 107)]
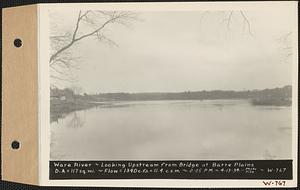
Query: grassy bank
[(58, 108), (271, 102)]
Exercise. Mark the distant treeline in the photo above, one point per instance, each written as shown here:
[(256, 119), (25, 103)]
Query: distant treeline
[(284, 93), (63, 101)]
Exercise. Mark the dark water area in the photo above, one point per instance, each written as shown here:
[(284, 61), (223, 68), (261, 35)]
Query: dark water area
[(185, 129)]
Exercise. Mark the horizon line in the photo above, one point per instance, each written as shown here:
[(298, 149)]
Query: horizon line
[(185, 91)]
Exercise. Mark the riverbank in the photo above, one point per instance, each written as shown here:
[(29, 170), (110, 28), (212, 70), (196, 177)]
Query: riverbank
[(65, 101), (271, 102), (58, 108)]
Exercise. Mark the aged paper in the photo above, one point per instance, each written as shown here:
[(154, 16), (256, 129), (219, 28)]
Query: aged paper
[(168, 94)]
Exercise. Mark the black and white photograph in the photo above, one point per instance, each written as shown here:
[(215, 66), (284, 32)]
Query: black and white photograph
[(150, 94), (171, 85)]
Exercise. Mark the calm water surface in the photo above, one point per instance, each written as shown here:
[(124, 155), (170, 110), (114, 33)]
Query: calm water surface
[(212, 129)]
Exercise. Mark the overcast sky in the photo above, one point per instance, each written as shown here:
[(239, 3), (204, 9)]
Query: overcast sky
[(181, 51)]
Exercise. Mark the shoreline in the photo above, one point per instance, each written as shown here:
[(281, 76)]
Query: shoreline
[(60, 109)]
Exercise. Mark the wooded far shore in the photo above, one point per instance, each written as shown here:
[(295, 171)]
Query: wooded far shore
[(66, 100)]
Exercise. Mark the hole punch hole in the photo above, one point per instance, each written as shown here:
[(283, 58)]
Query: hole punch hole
[(18, 42), (15, 145)]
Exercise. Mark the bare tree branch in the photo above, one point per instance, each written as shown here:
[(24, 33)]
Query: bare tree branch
[(113, 17), (247, 21), (61, 50), (77, 26), (229, 20), (105, 39), (285, 46), (95, 31)]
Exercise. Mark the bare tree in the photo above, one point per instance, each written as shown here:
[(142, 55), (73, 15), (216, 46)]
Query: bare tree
[(89, 23), (77, 91), (286, 46), (228, 17)]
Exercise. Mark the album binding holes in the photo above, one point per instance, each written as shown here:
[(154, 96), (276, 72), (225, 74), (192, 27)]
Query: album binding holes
[(18, 42), (15, 145)]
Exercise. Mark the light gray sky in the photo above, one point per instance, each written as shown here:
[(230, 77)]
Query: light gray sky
[(181, 51)]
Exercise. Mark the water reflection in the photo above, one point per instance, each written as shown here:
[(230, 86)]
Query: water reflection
[(221, 129), (77, 120)]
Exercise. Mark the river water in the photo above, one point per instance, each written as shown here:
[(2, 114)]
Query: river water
[(158, 130)]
